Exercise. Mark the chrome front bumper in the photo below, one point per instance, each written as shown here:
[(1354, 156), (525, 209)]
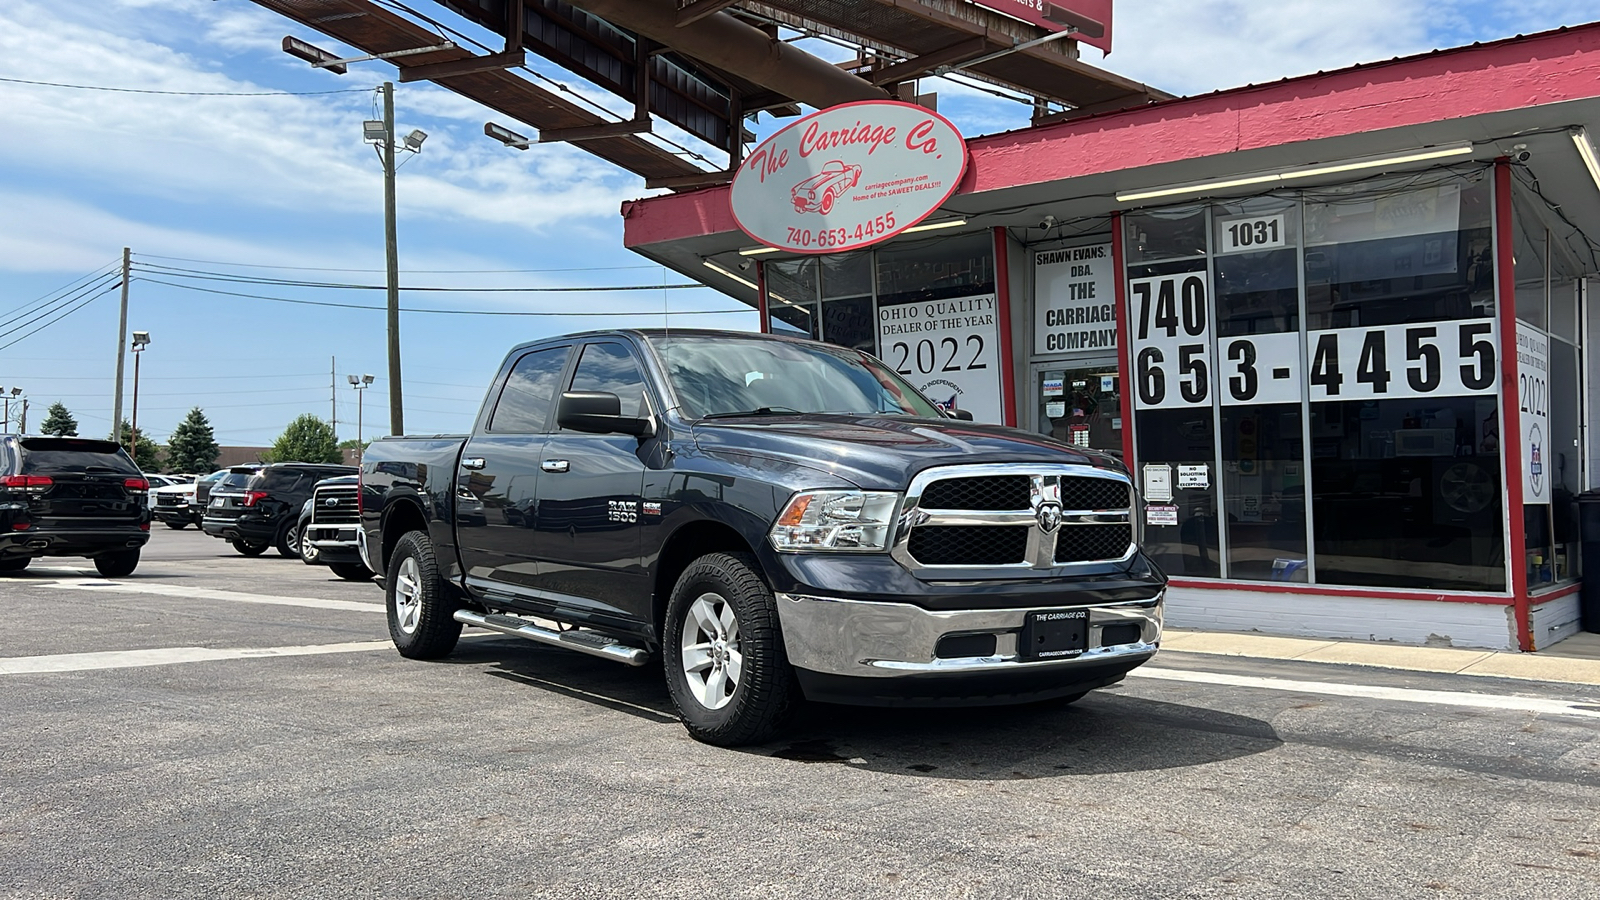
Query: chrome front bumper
[(865, 639)]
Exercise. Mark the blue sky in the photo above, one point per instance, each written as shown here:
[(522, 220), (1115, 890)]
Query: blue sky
[(285, 181)]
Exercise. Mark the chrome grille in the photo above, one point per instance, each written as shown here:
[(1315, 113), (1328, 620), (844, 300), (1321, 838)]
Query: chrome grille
[(335, 506), (1004, 520), (171, 499)]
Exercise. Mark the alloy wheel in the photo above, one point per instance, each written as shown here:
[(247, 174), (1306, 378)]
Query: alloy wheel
[(712, 659), (408, 596)]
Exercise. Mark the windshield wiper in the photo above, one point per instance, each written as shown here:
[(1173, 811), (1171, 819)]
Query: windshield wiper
[(758, 411)]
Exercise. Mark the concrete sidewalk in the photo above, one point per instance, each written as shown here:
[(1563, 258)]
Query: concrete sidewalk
[(1575, 660)]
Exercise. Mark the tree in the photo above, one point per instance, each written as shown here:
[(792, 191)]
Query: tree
[(193, 445), (146, 455), (60, 421), (307, 439)]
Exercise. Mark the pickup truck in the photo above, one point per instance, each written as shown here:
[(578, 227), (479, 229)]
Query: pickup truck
[(775, 519)]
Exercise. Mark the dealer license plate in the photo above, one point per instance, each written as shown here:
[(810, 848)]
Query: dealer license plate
[(1055, 634)]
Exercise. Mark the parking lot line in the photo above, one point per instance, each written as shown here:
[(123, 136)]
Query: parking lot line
[(106, 585), (125, 659), (1376, 692)]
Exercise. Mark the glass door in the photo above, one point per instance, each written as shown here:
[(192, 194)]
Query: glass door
[(1079, 404)]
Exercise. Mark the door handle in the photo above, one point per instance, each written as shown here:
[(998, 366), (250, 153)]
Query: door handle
[(472, 462), (555, 465)]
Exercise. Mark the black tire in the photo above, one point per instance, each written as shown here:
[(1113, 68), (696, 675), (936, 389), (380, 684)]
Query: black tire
[(118, 565), (288, 542), (308, 553), (247, 548), (418, 603), (177, 526), (353, 572), (15, 565), (764, 693)]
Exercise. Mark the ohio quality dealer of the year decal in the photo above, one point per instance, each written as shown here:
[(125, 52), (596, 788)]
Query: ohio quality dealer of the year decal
[(848, 176)]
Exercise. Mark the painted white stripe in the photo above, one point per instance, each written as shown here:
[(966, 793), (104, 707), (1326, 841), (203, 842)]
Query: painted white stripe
[(126, 659), (1374, 692), (184, 592)]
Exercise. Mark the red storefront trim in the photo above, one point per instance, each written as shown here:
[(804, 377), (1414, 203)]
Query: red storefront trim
[(1123, 372), (1510, 420), (1002, 281), (1265, 587), (1554, 594)]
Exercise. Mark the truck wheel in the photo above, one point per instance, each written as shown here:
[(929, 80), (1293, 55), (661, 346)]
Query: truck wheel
[(117, 565), (418, 602), (351, 571), (289, 541), (308, 552), (15, 565), (247, 548), (726, 668), (177, 526)]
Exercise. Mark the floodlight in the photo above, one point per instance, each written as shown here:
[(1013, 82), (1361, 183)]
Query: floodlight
[(353, 379), (373, 131), (506, 136), (413, 141), (367, 379), (318, 57), (140, 338)]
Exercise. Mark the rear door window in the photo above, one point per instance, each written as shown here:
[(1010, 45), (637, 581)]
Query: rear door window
[(524, 404), (63, 456)]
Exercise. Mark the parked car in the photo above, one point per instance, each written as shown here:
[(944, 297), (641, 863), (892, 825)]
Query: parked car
[(777, 519), (254, 508), (183, 504), (71, 497), (328, 524)]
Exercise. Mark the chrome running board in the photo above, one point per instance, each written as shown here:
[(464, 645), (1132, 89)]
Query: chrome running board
[(582, 641)]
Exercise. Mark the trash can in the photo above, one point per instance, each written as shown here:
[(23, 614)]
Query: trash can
[(1589, 514)]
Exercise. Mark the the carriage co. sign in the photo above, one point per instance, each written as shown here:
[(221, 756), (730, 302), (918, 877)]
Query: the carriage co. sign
[(848, 177)]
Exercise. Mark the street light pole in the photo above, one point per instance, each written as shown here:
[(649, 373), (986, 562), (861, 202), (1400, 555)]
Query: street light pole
[(392, 262), (140, 339), (359, 383)]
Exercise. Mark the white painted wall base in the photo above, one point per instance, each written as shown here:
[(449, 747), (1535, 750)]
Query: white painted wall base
[(1556, 621), (1431, 623)]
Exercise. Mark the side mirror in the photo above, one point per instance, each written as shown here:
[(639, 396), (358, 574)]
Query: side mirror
[(964, 415), (598, 412)]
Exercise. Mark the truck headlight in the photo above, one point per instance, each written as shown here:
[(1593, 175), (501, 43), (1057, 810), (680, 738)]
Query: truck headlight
[(836, 520)]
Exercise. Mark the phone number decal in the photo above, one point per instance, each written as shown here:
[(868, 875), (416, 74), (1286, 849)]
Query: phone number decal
[(842, 237)]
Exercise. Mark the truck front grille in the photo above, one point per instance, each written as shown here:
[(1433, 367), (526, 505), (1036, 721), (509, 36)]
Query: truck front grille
[(335, 506), (1004, 520), (171, 499)]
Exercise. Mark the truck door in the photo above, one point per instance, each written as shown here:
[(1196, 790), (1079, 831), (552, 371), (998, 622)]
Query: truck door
[(500, 469), (587, 535)]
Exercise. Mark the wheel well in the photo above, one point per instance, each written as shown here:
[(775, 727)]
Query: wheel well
[(686, 545), (401, 517)]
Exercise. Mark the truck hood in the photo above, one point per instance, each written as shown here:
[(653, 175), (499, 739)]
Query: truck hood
[(884, 452), (174, 489)]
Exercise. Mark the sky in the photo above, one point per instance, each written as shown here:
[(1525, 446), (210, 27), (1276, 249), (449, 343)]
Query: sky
[(204, 189)]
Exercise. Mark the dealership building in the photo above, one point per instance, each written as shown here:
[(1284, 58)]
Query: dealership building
[(1336, 326)]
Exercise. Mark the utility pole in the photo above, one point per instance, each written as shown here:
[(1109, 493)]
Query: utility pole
[(333, 396), (122, 346), (391, 250)]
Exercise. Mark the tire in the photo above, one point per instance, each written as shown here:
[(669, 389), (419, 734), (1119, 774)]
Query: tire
[(117, 565), (247, 548), (177, 526), (15, 565), (703, 651), (308, 553), (418, 604), (353, 572), (289, 541)]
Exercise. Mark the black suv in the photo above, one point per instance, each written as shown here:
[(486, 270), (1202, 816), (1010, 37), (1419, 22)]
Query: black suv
[(258, 507), (71, 497)]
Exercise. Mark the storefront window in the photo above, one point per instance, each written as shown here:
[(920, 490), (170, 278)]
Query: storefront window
[(847, 311), (1082, 406), (957, 266), (792, 297)]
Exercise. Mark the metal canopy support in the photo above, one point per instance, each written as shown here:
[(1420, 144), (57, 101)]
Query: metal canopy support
[(594, 132), (508, 60), (514, 25), (916, 67), (691, 11), (1025, 45), (680, 182)]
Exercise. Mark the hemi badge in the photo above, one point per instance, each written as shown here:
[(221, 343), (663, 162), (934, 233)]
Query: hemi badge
[(652, 509)]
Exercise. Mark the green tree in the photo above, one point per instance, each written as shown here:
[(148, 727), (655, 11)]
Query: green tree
[(307, 439), (193, 445), (146, 455), (60, 421)]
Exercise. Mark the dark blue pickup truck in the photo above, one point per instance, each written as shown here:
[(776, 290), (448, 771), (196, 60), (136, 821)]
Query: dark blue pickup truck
[(777, 519)]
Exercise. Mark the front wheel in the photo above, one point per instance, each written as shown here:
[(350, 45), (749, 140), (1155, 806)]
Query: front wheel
[(118, 565), (289, 541), (308, 551), (726, 668), (249, 548), (418, 602), (351, 571)]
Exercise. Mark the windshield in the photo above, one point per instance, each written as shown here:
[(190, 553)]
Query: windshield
[(234, 480), (730, 375)]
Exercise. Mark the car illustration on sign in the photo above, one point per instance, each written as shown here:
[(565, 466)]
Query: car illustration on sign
[(818, 193)]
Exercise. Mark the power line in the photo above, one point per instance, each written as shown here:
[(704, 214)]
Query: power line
[(51, 307), (69, 312), (219, 262), (203, 275), (96, 87), (64, 288), (457, 312)]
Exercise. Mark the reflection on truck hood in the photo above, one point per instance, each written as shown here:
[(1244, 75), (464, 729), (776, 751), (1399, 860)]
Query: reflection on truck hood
[(882, 452)]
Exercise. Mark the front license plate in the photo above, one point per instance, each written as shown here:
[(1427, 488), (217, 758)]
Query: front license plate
[(1055, 634)]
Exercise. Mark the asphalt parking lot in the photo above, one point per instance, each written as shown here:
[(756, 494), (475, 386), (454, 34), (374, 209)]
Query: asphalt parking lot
[(243, 729)]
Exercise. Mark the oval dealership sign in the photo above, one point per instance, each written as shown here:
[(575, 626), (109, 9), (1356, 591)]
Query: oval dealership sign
[(848, 176)]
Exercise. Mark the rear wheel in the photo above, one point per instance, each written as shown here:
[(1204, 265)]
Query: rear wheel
[(289, 541), (177, 526), (418, 602), (352, 572), (725, 664), (249, 548), (118, 565), (15, 565)]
